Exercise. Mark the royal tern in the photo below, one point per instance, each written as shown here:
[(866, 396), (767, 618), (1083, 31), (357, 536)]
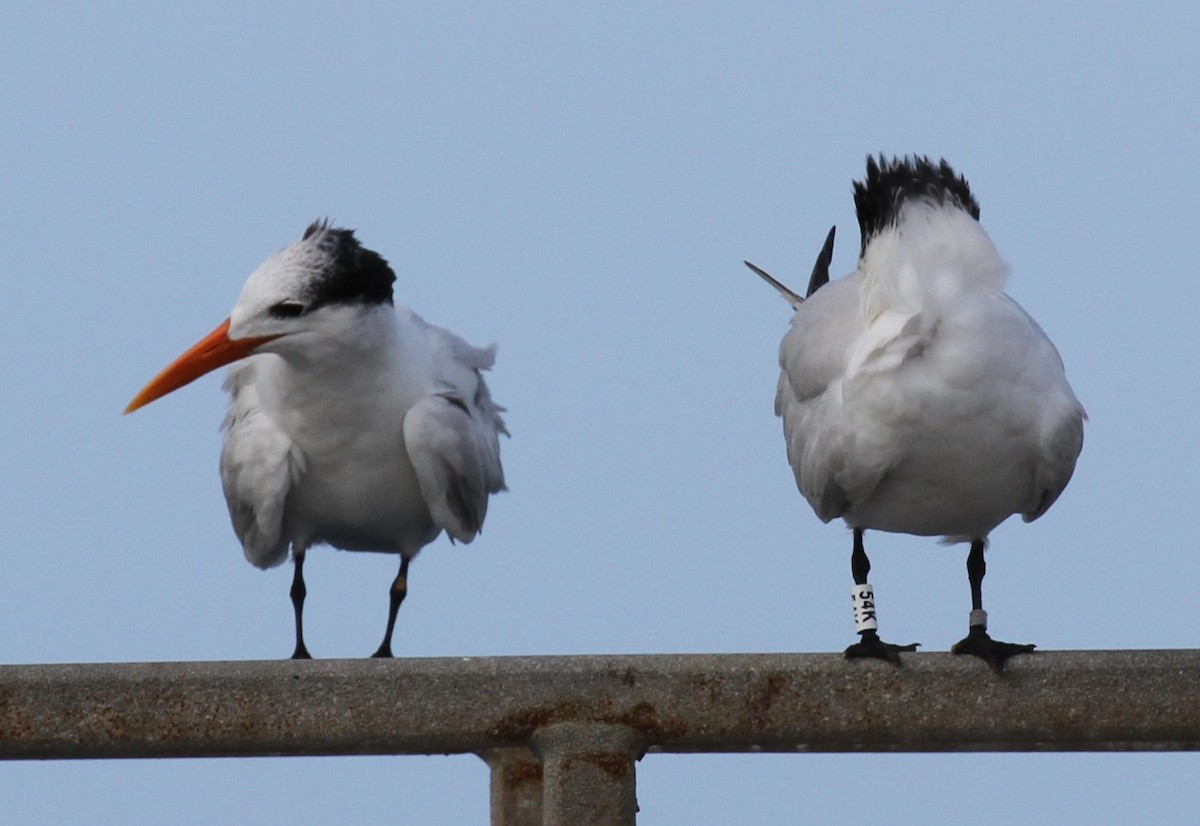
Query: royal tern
[(351, 422), (916, 396)]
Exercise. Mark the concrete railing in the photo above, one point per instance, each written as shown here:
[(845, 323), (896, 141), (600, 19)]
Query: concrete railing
[(562, 734)]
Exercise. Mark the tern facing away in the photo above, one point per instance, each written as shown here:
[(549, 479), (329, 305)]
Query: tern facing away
[(351, 422), (916, 396)]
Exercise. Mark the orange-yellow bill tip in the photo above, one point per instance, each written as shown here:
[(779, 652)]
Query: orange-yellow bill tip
[(209, 353)]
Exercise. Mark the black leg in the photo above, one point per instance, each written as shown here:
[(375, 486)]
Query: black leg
[(869, 644), (977, 641), (396, 596), (299, 592), (976, 571), (860, 566)]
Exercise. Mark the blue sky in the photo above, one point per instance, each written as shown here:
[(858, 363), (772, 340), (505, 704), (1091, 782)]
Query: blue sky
[(581, 186)]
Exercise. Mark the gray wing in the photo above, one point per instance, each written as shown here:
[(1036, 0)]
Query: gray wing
[(1061, 445), (813, 360), (1060, 424), (259, 464), (452, 438)]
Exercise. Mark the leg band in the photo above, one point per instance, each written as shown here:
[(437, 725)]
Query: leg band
[(862, 597), (979, 619)]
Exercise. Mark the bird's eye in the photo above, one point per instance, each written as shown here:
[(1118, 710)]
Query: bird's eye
[(288, 309)]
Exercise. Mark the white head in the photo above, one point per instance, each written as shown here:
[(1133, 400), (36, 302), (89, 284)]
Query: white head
[(327, 267), (921, 238), (323, 280)]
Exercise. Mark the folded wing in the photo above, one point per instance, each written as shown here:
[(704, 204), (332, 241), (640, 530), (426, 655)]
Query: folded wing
[(259, 465), (452, 438)]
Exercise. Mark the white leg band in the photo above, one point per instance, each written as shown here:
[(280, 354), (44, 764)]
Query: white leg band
[(979, 618), (862, 597)]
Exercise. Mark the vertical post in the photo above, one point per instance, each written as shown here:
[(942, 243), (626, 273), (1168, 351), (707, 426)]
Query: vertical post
[(516, 788), (588, 773)]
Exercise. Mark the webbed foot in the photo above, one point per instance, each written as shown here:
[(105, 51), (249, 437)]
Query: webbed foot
[(871, 646), (994, 653)]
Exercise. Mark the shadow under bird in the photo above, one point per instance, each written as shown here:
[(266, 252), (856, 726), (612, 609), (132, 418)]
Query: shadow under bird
[(351, 422), (916, 396)]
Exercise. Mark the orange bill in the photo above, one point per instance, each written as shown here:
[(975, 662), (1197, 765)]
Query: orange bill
[(209, 353)]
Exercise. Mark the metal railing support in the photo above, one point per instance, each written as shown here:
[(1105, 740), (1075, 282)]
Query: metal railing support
[(516, 786), (589, 774)]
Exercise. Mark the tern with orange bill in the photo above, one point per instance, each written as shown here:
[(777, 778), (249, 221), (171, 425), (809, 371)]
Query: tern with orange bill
[(352, 422)]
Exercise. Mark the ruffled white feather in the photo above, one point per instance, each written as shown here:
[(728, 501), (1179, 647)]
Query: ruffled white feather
[(917, 397)]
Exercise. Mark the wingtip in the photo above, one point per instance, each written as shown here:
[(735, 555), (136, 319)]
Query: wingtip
[(788, 296), (820, 270)]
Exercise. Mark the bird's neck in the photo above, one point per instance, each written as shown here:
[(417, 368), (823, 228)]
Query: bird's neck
[(349, 339), (363, 364), (930, 258)]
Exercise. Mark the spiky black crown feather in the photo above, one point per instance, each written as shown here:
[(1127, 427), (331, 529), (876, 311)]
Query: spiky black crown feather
[(889, 184), (355, 274)]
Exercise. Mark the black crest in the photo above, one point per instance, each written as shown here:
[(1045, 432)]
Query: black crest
[(889, 184), (354, 274)]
